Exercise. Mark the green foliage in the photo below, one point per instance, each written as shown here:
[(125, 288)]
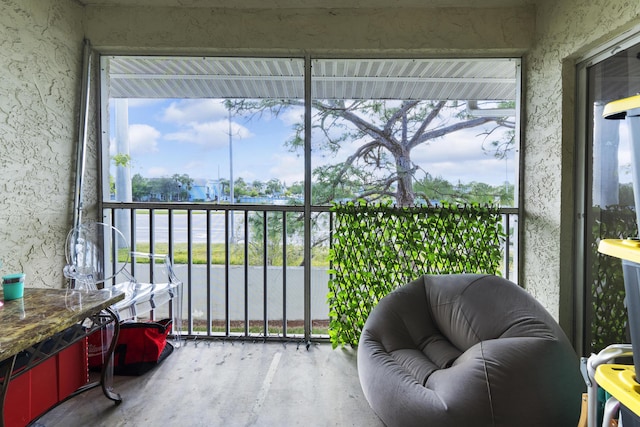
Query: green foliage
[(626, 195), (608, 316), (319, 254), (174, 188), (140, 187), (437, 188), (121, 160), (332, 183), (377, 248), (275, 232), (276, 224)]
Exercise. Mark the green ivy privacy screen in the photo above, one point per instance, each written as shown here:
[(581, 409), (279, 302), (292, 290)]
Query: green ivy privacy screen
[(377, 248), (606, 312)]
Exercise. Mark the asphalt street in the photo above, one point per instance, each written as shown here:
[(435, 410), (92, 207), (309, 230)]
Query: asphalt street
[(180, 228)]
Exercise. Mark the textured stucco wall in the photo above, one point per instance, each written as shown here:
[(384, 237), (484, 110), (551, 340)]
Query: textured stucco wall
[(564, 31), (40, 56), (393, 30)]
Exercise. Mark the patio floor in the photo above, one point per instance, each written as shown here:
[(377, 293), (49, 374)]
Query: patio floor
[(225, 383)]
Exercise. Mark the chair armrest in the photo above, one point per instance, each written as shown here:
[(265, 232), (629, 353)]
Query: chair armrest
[(172, 277)]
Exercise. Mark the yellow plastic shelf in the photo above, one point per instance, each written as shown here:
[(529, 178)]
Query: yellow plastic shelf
[(619, 381), (618, 109), (627, 249)]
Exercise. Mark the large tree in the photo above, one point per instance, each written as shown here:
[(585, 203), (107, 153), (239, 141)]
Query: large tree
[(386, 133), (174, 188)]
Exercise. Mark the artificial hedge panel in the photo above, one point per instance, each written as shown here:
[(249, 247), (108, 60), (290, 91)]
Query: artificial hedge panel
[(379, 247), (608, 314)]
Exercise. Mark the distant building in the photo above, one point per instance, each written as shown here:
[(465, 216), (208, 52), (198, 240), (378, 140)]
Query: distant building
[(206, 190)]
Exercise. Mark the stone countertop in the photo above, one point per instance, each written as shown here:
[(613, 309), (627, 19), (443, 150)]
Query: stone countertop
[(42, 313)]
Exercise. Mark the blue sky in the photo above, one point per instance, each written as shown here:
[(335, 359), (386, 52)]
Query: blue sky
[(191, 136)]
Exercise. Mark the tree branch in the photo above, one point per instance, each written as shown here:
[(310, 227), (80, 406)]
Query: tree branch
[(366, 127), (437, 133), (361, 151), (435, 112), (404, 108)]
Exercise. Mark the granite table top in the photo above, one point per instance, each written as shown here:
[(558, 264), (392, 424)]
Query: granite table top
[(42, 313)]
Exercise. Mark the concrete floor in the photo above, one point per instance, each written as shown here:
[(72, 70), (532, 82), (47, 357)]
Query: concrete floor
[(224, 383)]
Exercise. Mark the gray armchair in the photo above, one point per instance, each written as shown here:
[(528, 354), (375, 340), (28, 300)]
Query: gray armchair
[(467, 350)]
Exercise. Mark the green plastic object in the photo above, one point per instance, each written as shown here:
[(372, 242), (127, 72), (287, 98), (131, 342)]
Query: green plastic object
[(13, 286)]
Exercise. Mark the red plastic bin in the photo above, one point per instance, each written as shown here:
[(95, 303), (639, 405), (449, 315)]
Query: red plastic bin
[(37, 390)]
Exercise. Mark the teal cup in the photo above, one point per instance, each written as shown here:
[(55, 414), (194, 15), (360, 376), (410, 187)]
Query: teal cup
[(13, 286)]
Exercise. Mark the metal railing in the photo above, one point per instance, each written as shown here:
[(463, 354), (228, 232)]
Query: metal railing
[(243, 266)]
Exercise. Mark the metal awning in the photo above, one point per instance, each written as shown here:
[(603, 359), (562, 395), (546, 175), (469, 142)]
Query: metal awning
[(283, 78)]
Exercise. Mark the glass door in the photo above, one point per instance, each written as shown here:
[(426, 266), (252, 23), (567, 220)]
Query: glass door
[(608, 197)]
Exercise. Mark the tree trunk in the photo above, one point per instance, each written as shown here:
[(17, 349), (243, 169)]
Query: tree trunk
[(404, 191)]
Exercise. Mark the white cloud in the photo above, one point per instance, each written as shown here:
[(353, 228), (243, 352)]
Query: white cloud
[(210, 134), (288, 168), (143, 139), (202, 122), (292, 116), (194, 110), (460, 156), (491, 171)]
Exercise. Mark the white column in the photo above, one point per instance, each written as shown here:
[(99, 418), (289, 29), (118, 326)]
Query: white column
[(123, 173)]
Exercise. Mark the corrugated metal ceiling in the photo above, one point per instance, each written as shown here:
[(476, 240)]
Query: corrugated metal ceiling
[(282, 78)]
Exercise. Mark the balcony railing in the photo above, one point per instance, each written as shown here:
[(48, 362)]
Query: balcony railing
[(243, 266)]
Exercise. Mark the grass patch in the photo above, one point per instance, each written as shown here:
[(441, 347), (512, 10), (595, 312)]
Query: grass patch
[(319, 256), (256, 327)]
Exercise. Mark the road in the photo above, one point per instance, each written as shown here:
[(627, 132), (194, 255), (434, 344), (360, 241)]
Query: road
[(196, 277), (180, 229)]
